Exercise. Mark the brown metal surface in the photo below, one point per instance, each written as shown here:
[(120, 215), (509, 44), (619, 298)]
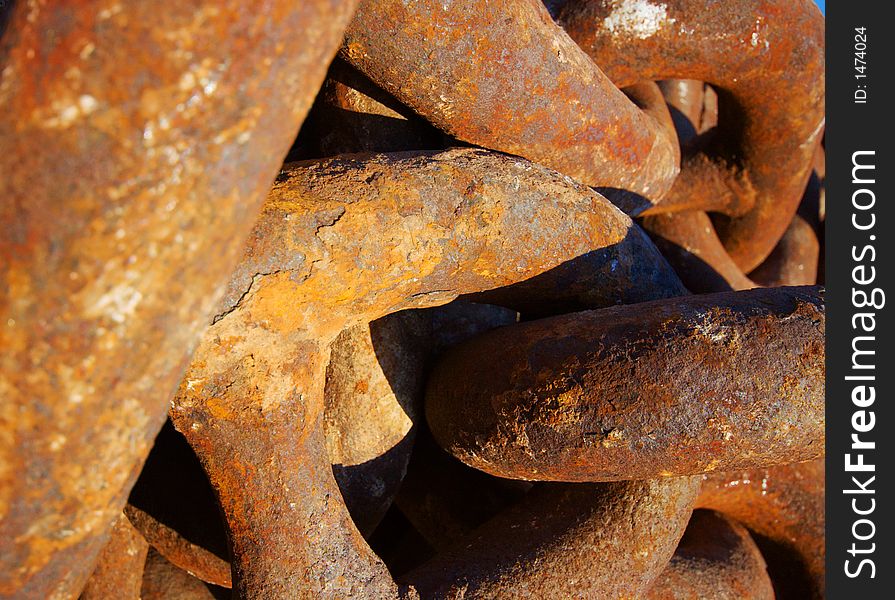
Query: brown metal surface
[(689, 242), (328, 253), (794, 261), (686, 101), (771, 87), (164, 581), (633, 392), (119, 567), (173, 507), (546, 546), (688, 238), (138, 146), (716, 559), (783, 507), (445, 500), (351, 114), (503, 76), (179, 550), (374, 384)]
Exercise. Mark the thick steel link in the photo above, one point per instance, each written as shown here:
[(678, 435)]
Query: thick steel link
[(633, 392), (138, 146), (251, 403), (502, 75), (770, 82), (156, 182)]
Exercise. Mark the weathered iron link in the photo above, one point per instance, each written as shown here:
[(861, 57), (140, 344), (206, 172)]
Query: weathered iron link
[(771, 87), (794, 260), (119, 568), (688, 239), (502, 75), (689, 242), (303, 443), (373, 382), (164, 581), (694, 107), (351, 114), (633, 392), (179, 549), (138, 144), (783, 506), (544, 547), (251, 403), (715, 559), (173, 506)]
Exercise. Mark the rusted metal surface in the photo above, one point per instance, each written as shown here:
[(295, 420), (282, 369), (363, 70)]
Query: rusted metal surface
[(544, 547), (689, 242), (173, 507), (688, 238), (299, 419), (328, 253), (351, 114), (648, 97), (715, 559), (119, 568), (164, 581), (138, 145), (794, 261), (502, 75), (374, 384), (694, 109), (445, 500), (783, 507), (686, 101), (771, 87), (633, 391), (179, 550)]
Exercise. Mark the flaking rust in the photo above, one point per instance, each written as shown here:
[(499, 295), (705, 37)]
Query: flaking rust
[(141, 143), (772, 82), (328, 253), (503, 76), (633, 391), (138, 144)]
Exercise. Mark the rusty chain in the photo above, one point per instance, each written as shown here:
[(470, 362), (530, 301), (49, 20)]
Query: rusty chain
[(523, 235)]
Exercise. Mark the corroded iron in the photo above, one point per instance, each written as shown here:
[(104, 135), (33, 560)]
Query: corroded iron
[(164, 581), (180, 550), (138, 146), (374, 381), (694, 108), (299, 417), (771, 86), (503, 76), (328, 253), (173, 507), (689, 242), (794, 260), (446, 500), (783, 506), (119, 567), (544, 546), (715, 559), (632, 392), (351, 114)]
